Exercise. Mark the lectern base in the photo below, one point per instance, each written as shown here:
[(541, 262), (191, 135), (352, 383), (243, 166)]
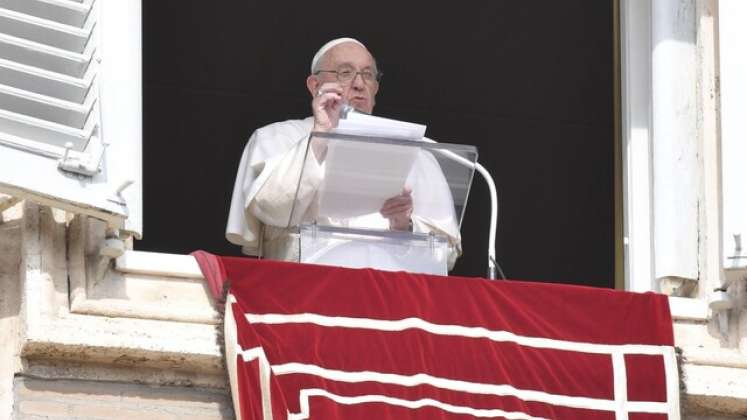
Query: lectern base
[(359, 248)]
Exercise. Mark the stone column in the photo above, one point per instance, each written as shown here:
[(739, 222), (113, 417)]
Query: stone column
[(676, 168)]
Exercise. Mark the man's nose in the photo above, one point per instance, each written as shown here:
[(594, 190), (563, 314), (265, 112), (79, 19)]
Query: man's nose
[(358, 83)]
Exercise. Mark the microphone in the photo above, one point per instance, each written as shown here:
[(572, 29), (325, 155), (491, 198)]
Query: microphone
[(346, 109)]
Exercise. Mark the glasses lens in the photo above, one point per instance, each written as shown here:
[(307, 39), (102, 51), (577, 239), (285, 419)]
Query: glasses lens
[(368, 76), (345, 75)]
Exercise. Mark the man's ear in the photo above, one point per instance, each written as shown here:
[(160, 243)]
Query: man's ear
[(312, 84)]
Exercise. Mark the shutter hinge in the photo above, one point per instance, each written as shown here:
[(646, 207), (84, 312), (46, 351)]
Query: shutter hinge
[(88, 164)]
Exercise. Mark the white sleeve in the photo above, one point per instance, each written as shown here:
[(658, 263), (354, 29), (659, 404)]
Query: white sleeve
[(280, 192), (241, 229), (266, 149), (433, 203)]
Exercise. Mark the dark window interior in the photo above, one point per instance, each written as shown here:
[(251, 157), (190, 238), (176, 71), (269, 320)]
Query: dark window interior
[(530, 83)]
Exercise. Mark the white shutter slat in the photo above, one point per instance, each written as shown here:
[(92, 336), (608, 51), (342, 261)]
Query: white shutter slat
[(62, 11), (47, 93), (44, 107), (44, 82), (42, 131), (44, 31), (43, 56), (32, 146)]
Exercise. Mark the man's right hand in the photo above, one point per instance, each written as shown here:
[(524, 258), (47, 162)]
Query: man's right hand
[(326, 106)]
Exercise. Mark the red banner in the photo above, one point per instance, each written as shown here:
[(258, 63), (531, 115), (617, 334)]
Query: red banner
[(315, 342)]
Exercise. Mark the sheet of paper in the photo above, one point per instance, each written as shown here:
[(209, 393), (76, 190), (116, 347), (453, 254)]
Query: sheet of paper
[(360, 176), (361, 124)]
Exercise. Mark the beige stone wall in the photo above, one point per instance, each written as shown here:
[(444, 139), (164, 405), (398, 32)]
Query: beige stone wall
[(95, 400), (82, 339), (10, 304)]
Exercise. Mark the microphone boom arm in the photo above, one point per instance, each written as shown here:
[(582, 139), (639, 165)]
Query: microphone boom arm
[(493, 267)]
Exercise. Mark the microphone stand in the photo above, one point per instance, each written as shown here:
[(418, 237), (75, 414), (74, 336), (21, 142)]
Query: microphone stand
[(493, 267)]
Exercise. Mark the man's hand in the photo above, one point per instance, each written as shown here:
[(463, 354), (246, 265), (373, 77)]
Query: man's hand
[(398, 210), (326, 106)]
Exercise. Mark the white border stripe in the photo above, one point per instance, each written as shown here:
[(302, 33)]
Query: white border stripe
[(425, 402), (620, 381), (258, 353), (248, 355), (620, 406), (673, 386), (230, 333), (453, 330), (461, 386)]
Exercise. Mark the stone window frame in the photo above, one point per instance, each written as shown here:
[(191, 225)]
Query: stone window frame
[(638, 23)]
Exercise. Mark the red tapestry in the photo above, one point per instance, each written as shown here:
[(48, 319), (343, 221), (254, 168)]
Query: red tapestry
[(316, 342)]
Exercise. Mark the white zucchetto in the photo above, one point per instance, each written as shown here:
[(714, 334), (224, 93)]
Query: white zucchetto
[(328, 46)]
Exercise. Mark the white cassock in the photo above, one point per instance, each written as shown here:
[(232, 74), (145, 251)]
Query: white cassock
[(265, 192)]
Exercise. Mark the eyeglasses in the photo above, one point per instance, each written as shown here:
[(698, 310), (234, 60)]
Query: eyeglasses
[(346, 75)]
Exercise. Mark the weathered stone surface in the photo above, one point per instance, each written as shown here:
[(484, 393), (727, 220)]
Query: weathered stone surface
[(10, 305), (84, 399)]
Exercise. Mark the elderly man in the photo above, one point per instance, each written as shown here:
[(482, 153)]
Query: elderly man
[(343, 74)]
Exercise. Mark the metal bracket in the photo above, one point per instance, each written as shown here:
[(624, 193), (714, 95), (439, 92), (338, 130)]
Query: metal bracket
[(117, 196), (432, 242), (314, 230), (721, 303), (737, 250), (111, 247)]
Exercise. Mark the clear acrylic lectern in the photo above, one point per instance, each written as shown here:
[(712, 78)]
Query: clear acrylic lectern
[(344, 182)]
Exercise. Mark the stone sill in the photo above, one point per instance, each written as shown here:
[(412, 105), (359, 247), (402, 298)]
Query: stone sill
[(185, 266), (688, 309), (158, 264)]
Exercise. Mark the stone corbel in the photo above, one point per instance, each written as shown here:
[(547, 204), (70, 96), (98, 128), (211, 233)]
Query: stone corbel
[(106, 280), (78, 323), (728, 304), (7, 201)]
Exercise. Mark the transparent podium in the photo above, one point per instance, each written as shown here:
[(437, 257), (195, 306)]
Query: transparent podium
[(344, 182)]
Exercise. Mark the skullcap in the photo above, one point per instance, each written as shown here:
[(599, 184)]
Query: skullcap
[(328, 46)]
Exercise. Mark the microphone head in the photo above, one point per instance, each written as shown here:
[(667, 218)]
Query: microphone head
[(346, 109)]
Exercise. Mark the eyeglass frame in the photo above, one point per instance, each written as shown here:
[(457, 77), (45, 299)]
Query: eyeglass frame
[(377, 75)]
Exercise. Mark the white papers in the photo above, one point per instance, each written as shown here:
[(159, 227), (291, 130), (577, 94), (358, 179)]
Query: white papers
[(359, 124), (360, 176)]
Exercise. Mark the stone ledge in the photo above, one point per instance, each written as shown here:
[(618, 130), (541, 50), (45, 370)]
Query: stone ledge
[(159, 264), (126, 342), (715, 389), (61, 398), (75, 370), (691, 309)]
